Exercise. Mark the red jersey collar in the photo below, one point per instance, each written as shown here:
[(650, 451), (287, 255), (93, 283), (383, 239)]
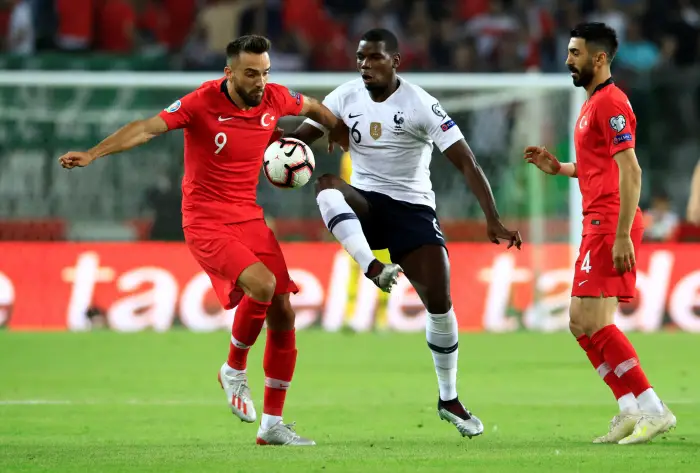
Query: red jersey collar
[(599, 87)]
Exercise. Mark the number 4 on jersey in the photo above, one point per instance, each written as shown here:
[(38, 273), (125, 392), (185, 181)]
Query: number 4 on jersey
[(586, 265)]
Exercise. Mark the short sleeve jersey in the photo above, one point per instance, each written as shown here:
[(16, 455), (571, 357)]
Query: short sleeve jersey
[(224, 147), (605, 127), (391, 142)]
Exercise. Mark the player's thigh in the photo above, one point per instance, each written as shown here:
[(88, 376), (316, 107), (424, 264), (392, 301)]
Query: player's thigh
[(428, 269), (224, 257), (280, 315), (262, 242), (355, 199)]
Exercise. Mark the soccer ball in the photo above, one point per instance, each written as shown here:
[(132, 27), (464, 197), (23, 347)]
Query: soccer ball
[(288, 163)]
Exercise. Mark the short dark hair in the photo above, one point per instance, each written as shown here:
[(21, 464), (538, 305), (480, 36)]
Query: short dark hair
[(391, 43), (254, 44), (599, 35)]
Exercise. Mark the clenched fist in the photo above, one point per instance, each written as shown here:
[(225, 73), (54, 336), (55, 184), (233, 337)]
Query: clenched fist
[(74, 159)]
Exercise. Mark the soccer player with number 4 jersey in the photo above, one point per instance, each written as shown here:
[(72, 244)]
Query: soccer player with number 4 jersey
[(610, 180), (228, 124)]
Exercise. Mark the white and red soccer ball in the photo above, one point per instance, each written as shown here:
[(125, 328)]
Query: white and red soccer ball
[(288, 163)]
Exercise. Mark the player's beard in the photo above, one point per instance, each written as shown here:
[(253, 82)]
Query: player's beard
[(585, 75), (248, 98)]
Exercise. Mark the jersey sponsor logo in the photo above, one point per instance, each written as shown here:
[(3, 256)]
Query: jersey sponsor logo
[(265, 122), (622, 138), (375, 130), (351, 116), (618, 123), (222, 119), (174, 107), (437, 110), (447, 125), (295, 95)]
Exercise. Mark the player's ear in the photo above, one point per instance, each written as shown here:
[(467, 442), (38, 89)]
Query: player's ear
[(228, 72), (396, 61)]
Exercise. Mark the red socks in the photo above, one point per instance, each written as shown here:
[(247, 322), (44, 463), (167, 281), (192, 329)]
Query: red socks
[(618, 388), (247, 325), (619, 354), (278, 363)]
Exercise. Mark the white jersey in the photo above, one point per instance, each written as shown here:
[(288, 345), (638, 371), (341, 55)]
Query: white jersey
[(391, 142)]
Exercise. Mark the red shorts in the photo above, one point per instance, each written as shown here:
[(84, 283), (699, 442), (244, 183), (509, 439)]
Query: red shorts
[(225, 250), (595, 274)]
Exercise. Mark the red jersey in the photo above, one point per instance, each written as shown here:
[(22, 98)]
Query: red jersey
[(605, 126), (224, 149)]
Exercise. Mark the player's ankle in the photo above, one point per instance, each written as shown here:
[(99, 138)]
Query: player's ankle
[(375, 268)]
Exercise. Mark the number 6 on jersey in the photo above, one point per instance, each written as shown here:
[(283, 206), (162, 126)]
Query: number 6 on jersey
[(220, 140)]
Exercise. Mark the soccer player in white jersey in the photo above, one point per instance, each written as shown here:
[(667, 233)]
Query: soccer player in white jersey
[(392, 125)]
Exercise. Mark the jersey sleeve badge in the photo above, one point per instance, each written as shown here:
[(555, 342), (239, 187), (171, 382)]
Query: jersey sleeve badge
[(174, 107), (437, 110), (618, 123), (295, 95)]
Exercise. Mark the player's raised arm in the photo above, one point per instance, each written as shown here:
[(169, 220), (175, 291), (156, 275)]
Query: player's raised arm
[(129, 136), (547, 162), (463, 158)]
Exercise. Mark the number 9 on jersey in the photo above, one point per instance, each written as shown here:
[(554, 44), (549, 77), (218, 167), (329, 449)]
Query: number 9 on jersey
[(288, 163)]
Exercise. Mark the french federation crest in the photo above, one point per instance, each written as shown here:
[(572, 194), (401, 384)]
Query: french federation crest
[(375, 130)]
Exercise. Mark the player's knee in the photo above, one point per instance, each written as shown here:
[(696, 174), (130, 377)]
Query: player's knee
[(260, 285), (326, 181), (576, 330), (440, 304), (265, 288)]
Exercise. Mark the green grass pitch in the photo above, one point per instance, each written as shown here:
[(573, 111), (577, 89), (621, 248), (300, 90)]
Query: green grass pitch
[(147, 402)]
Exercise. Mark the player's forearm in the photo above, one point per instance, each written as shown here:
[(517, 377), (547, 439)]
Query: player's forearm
[(306, 133), (630, 191), (129, 136), (568, 170), (476, 179), (319, 113)]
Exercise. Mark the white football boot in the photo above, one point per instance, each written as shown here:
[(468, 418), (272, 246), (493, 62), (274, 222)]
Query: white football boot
[(237, 394), (455, 413), (649, 426), (282, 434), (621, 426), (387, 278)]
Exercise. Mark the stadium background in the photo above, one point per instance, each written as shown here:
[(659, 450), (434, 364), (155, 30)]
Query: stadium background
[(135, 197), (88, 254)]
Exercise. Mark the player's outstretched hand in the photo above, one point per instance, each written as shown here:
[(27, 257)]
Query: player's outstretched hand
[(75, 159), (543, 159), (495, 231), (623, 254), (340, 135)]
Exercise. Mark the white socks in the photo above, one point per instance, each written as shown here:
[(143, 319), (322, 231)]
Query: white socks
[(343, 223), (269, 421), (441, 333), (649, 402), (628, 404)]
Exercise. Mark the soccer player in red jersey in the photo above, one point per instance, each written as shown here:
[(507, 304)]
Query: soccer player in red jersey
[(228, 123), (610, 180)]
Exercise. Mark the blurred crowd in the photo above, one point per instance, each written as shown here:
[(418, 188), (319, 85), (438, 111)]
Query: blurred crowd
[(449, 35)]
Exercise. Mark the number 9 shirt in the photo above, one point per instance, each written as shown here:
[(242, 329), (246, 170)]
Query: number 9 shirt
[(224, 145)]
